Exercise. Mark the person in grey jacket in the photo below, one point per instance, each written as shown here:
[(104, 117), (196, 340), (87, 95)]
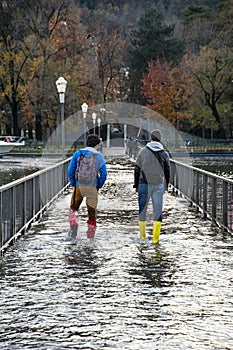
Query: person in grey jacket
[(88, 186), (151, 179)]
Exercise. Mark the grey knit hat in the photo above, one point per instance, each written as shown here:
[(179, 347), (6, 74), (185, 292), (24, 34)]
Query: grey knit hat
[(156, 135)]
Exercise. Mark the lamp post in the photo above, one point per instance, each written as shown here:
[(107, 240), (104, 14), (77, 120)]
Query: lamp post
[(103, 110), (61, 89), (94, 119), (34, 136), (99, 122), (2, 112), (84, 110)]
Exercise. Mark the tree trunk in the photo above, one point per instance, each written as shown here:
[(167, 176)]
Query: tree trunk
[(38, 127), (14, 105), (221, 130)]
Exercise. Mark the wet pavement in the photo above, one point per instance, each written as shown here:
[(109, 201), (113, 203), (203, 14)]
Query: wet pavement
[(117, 292)]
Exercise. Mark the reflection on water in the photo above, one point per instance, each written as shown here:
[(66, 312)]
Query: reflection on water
[(116, 291), (14, 174), (13, 168), (222, 166), (154, 265), (83, 259)]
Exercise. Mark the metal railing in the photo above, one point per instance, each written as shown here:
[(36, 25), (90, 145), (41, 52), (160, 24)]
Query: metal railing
[(24, 200), (212, 194)]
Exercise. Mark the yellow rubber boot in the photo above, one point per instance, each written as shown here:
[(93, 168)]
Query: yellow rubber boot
[(156, 231), (142, 228)]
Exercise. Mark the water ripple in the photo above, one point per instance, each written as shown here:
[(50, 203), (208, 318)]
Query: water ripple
[(116, 292)]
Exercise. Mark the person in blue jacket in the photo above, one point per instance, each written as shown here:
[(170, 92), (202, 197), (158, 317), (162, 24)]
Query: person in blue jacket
[(87, 187)]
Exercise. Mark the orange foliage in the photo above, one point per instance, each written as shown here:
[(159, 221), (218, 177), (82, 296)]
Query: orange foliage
[(167, 89)]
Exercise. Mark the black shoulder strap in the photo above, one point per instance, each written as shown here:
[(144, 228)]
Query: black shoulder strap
[(156, 154)]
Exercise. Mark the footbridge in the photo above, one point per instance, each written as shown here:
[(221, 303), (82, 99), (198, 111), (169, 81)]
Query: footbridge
[(24, 201)]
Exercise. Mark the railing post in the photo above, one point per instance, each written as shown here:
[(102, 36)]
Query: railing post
[(214, 198), (225, 204), (205, 190), (24, 203), (34, 196), (1, 227), (197, 189), (14, 211)]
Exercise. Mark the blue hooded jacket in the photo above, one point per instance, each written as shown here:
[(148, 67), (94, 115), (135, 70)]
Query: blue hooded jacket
[(101, 170)]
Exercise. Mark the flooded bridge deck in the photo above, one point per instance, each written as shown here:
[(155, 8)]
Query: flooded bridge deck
[(116, 292)]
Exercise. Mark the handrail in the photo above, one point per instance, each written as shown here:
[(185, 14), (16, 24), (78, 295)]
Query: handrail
[(212, 194), (24, 200)]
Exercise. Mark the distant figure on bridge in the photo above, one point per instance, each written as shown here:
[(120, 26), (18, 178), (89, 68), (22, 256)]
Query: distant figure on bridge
[(131, 146), (151, 178), (87, 174), (135, 148), (127, 145)]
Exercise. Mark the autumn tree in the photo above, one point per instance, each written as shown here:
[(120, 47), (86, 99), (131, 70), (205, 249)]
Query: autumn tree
[(212, 73), (167, 89), (13, 57), (104, 58), (77, 45), (25, 39), (39, 77), (107, 56)]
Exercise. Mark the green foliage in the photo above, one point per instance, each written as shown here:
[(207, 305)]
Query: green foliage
[(223, 24), (154, 39), (177, 6), (192, 12)]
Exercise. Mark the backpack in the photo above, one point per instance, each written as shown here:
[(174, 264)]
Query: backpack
[(152, 171), (85, 172)]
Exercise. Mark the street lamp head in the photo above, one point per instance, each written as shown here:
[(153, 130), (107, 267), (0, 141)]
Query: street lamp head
[(99, 121), (61, 85), (61, 88), (94, 117), (84, 109)]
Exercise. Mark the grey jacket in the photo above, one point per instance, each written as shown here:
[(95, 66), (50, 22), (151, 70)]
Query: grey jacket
[(152, 165)]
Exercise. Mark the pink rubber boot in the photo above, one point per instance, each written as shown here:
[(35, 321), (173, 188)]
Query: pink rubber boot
[(91, 228), (73, 220)]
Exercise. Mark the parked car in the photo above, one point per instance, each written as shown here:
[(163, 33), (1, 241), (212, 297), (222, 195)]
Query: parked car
[(9, 138)]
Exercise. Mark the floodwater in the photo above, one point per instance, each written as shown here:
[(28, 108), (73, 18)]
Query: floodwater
[(14, 168), (222, 166), (117, 292)]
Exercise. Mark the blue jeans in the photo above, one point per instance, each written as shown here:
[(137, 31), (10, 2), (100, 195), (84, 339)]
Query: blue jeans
[(155, 192)]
